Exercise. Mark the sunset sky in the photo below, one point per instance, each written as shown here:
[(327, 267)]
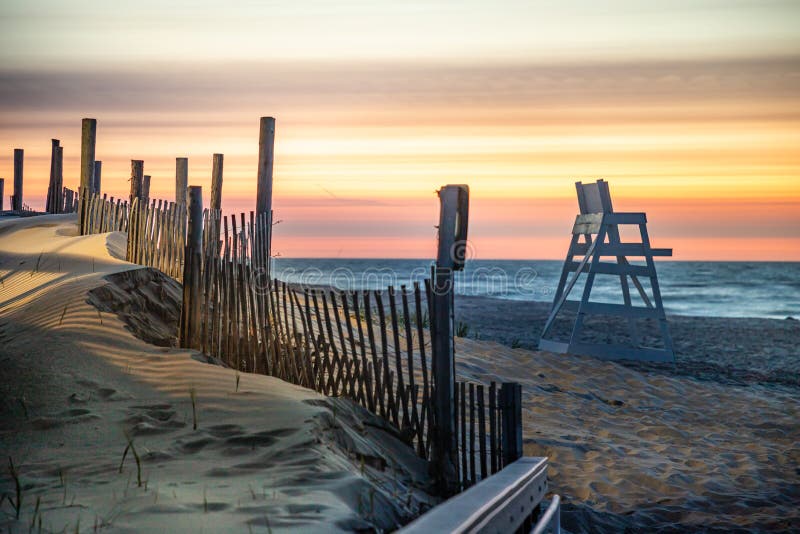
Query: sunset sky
[(691, 109)]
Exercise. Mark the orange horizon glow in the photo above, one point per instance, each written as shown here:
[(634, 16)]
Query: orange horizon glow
[(691, 111)]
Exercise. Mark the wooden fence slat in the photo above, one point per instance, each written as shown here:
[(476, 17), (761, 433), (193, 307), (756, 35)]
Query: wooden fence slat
[(319, 371), (462, 399), (482, 431), (376, 367), (344, 361), (387, 390), (308, 365), (493, 441), (472, 476), (398, 352), (336, 364), (369, 390)]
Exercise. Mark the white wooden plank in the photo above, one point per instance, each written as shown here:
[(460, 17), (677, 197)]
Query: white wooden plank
[(500, 503)]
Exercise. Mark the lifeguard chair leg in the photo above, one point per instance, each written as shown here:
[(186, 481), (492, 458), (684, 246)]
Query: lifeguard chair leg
[(587, 289), (659, 305)]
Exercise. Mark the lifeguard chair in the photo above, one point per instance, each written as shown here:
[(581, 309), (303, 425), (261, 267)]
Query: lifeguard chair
[(598, 224)]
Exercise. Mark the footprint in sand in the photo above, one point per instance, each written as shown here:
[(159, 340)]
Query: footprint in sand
[(99, 392), (152, 419), (67, 417)]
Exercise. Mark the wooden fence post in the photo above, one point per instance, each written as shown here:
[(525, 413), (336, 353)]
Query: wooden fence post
[(137, 176), (52, 190), (88, 136), (216, 183), (190, 311), (511, 409), (96, 177), (16, 200), (266, 157), (58, 201), (181, 180), (454, 201), (146, 188), (2, 193)]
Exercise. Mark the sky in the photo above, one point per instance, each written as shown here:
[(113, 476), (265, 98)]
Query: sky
[(690, 109)]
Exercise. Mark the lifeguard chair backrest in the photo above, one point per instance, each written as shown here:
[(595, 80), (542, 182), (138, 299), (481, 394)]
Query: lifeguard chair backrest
[(594, 198)]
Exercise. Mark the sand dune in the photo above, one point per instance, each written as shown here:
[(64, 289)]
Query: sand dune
[(266, 455)]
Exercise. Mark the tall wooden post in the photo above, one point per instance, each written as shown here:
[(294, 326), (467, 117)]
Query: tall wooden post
[(216, 183), (266, 160), (181, 180), (137, 177), (146, 188), (2, 192), (16, 201), (511, 409), (190, 311), (98, 171), (88, 138), (52, 189), (59, 189), (453, 217)]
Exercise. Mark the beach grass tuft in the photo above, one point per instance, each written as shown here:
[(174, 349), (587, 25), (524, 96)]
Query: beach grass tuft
[(130, 446), (38, 261), (12, 470), (193, 397), (462, 329), (35, 512)]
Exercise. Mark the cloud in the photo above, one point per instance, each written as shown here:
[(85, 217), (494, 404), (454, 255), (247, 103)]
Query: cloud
[(341, 88)]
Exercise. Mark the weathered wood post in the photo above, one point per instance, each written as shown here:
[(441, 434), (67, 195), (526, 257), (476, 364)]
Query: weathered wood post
[(16, 199), (2, 192), (58, 201), (216, 183), (88, 136), (146, 188), (190, 311), (52, 188), (181, 180), (216, 199), (453, 218), (137, 177), (98, 171), (266, 160), (511, 409)]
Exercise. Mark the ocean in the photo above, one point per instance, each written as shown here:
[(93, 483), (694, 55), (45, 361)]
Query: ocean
[(702, 288)]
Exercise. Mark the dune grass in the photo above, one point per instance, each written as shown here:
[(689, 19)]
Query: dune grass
[(12, 470), (193, 397), (130, 446)]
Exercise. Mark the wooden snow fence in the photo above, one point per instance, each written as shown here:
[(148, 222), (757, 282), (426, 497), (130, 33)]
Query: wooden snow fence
[(157, 235), (372, 346), (156, 230), (103, 214)]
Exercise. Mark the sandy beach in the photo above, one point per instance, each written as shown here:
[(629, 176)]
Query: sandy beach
[(265, 456), (711, 444)]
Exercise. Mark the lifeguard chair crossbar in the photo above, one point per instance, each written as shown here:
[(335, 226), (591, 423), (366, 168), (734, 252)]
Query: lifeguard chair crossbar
[(599, 226)]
